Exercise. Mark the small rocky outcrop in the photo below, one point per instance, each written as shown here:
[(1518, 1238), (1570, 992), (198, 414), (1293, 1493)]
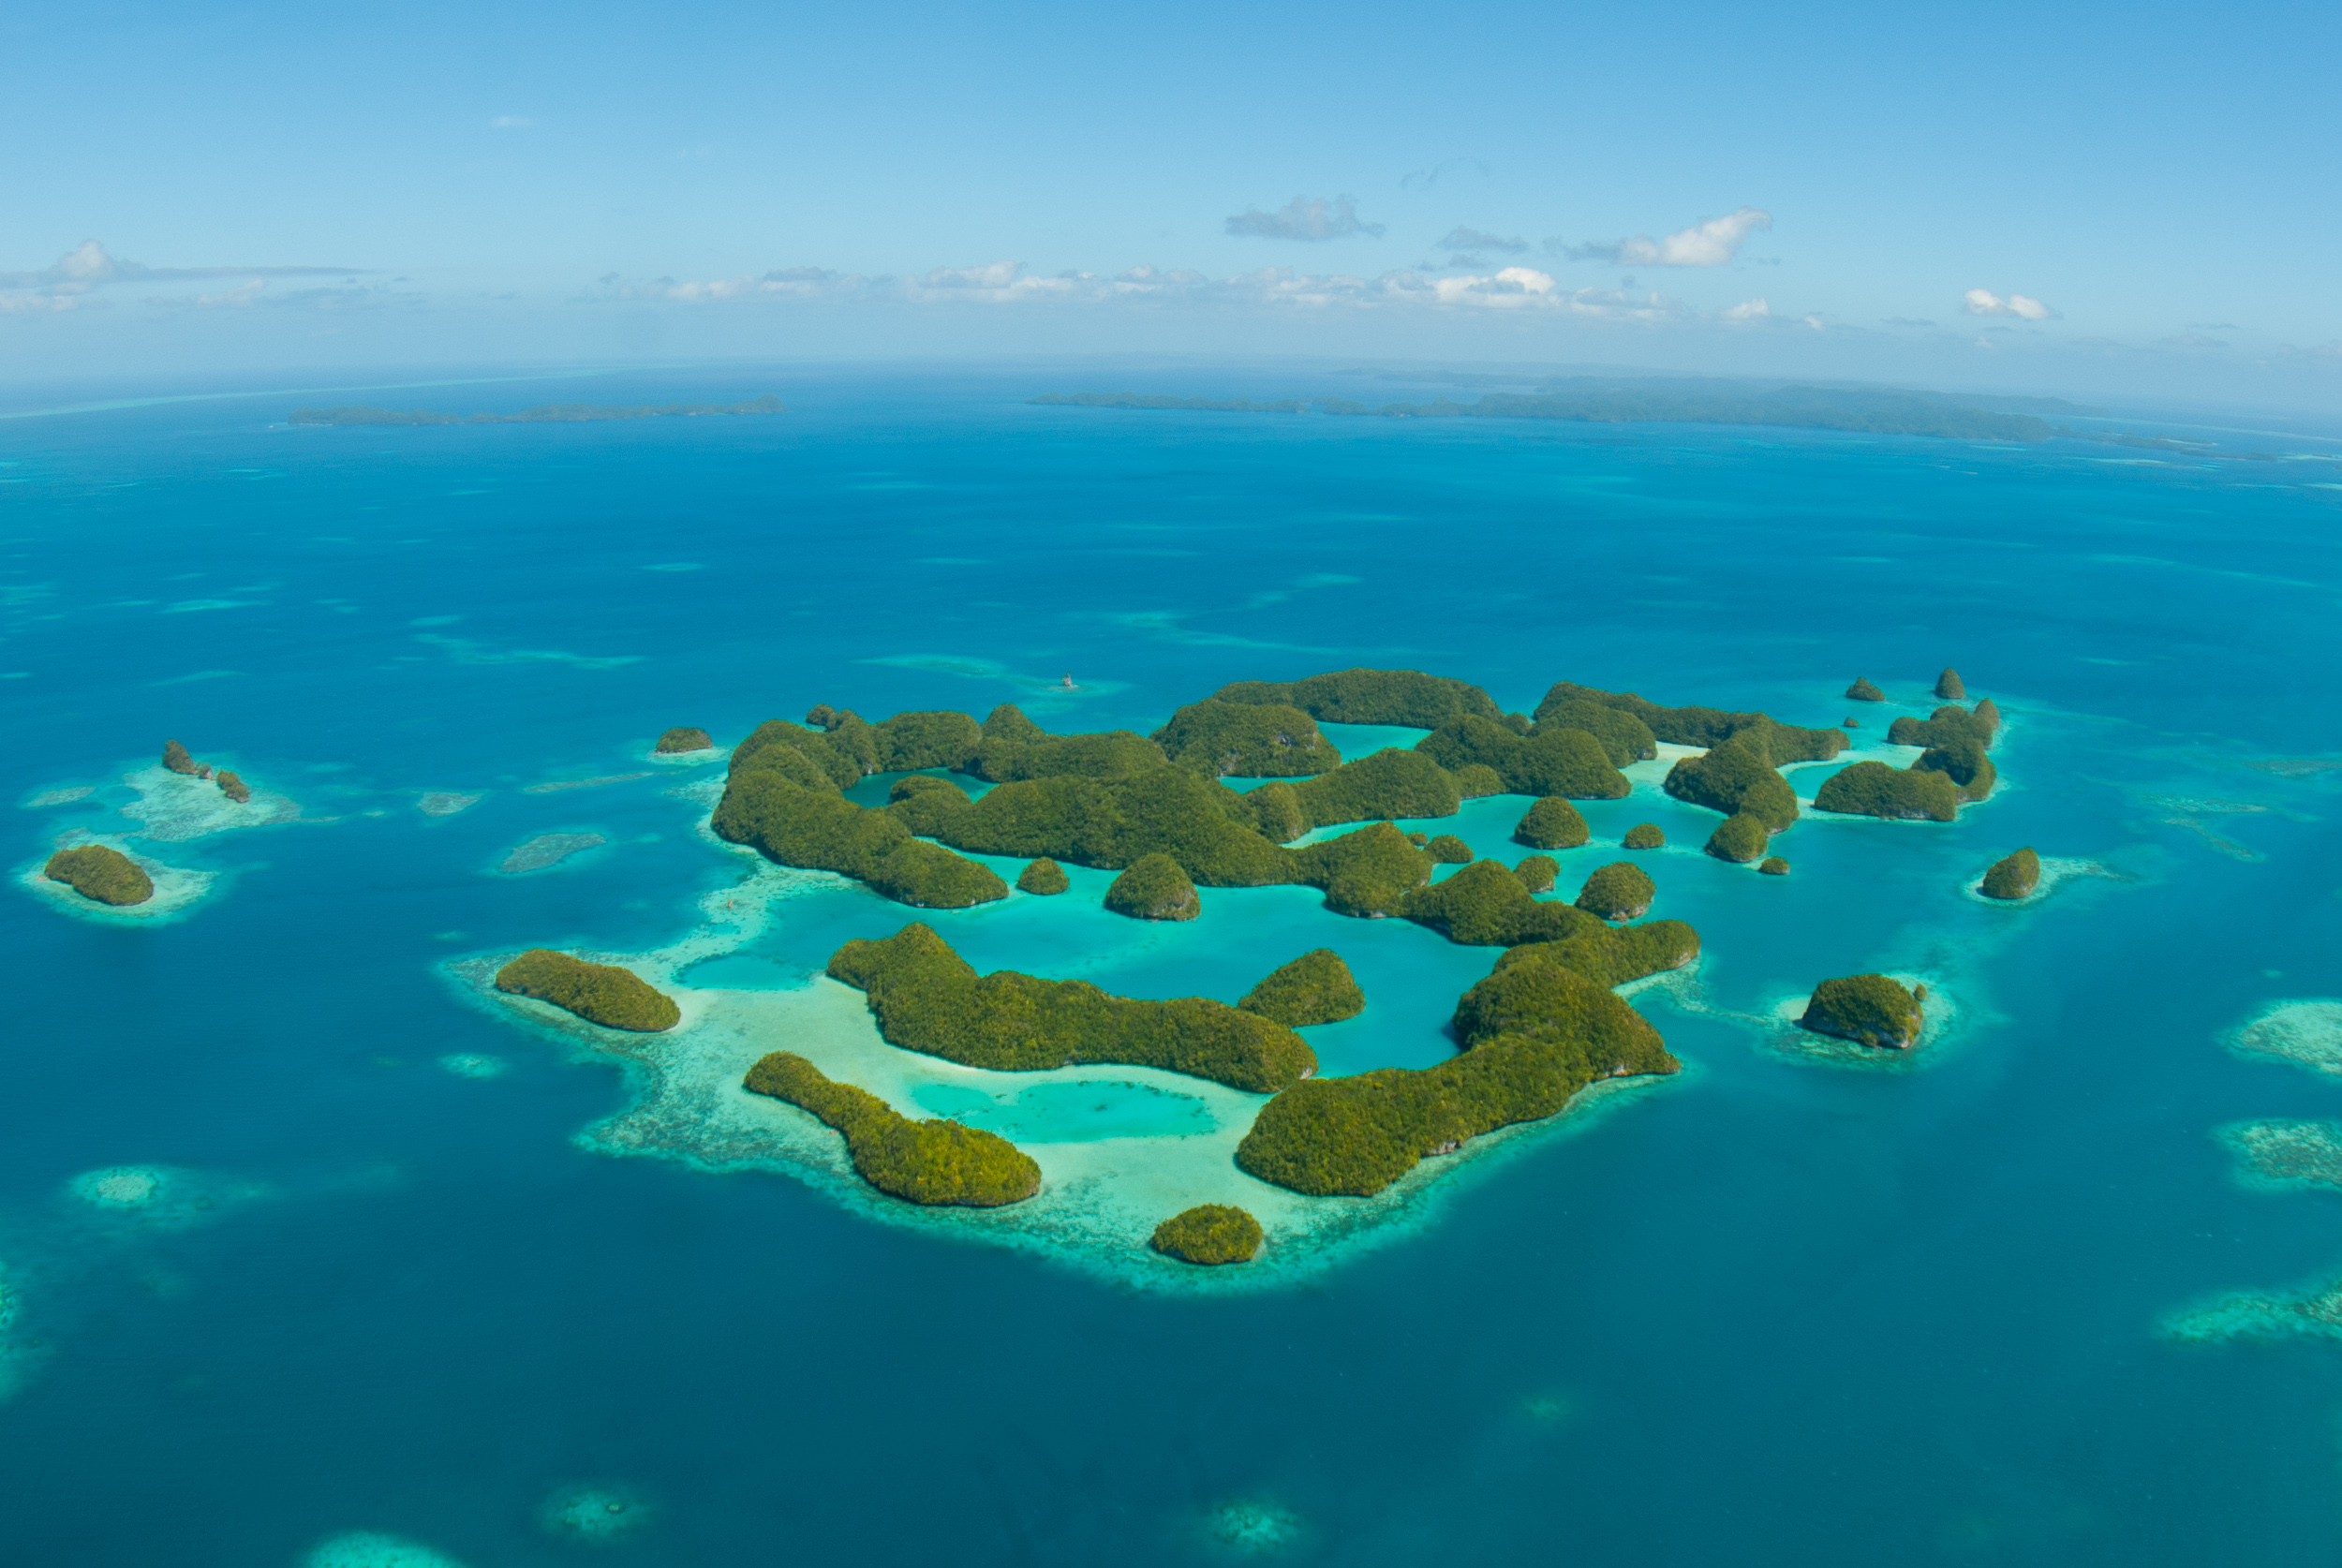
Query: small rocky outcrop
[(1154, 888), (1868, 1009), (1208, 1233), (100, 874), (684, 738), (2013, 877), (232, 786), (1551, 824), (175, 758), (1947, 686), (1315, 988), (1862, 691), (1619, 891), (1644, 836), (604, 994), (1044, 877), (1773, 865)]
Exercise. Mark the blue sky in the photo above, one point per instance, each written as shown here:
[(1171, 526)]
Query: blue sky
[(2091, 196)]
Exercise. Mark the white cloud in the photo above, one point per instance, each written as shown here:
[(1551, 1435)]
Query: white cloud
[(1460, 238), (238, 298), (1748, 310), (1708, 243), (1305, 219), (1983, 302), (89, 265)]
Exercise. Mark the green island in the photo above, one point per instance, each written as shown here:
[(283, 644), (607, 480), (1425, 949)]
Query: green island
[(1249, 740), (100, 874), (1869, 1009), (1408, 698), (1538, 873), (1208, 1233), (932, 1162), (1551, 824), (1447, 849), (684, 738), (1045, 877), (601, 994), (1154, 888), (175, 758), (1644, 836), (1315, 988), (1619, 891), (2013, 876), (1864, 691), (1552, 762), (1947, 725), (1875, 789), (928, 999), (1775, 866), (547, 413), (232, 785), (1949, 686)]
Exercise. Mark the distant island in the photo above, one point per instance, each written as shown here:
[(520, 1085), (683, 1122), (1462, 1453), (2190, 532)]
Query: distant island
[(545, 413)]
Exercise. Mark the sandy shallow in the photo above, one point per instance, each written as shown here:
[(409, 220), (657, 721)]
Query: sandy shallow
[(1101, 1197), (174, 806), (2308, 1033)]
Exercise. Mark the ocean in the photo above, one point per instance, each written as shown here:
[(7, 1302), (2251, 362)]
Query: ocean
[(312, 1255)]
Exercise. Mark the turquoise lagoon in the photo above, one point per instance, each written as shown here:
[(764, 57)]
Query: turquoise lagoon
[(310, 1253)]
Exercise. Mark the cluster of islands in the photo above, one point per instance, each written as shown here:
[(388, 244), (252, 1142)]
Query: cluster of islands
[(103, 874), (1545, 1025)]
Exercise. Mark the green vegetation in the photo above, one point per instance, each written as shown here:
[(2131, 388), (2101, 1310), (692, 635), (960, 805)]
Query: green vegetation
[(1044, 877), (1277, 813), (1862, 691), (232, 786), (928, 999), (1737, 776), (1615, 955), (780, 802), (1109, 754), (938, 1163), (1875, 789), (103, 875), (1448, 850), (682, 738), (1315, 988), (1964, 763), (1739, 838), (601, 994), (1644, 836), (1624, 738), (1775, 866), (1380, 784), (1551, 824), (1208, 1233), (1487, 905), (1949, 688), (548, 413), (175, 758), (1477, 781), (1619, 891), (1705, 727), (1008, 722), (1987, 713), (1948, 724), (915, 784), (1249, 740), (1538, 873), (1870, 1009), (1368, 873), (2013, 877), (1534, 1033), (1554, 762), (1154, 888), (1111, 823), (1403, 697)]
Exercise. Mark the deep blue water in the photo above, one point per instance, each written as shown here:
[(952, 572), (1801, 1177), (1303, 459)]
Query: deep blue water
[(1775, 1313)]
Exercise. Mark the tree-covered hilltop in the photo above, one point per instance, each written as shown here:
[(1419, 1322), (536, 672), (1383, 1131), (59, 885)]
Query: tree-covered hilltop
[(1408, 698), (1619, 891), (1964, 763), (1739, 838), (1624, 737), (1107, 754), (1870, 1009), (234, 787), (1315, 988), (1775, 866), (1705, 727), (1737, 777), (1045, 877), (928, 999), (1538, 873), (940, 1163), (1644, 836), (1247, 739), (101, 874), (684, 738), (1368, 873), (1875, 789), (1109, 824), (1950, 688), (1864, 691), (1154, 888), (1378, 785), (1534, 1033), (1553, 762), (1487, 905), (1947, 725), (777, 801), (1447, 849), (1208, 1233), (605, 994), (545, 413), (2014, 876)]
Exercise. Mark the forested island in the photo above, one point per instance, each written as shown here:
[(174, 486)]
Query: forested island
[(545, 413), (1158, 812)]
